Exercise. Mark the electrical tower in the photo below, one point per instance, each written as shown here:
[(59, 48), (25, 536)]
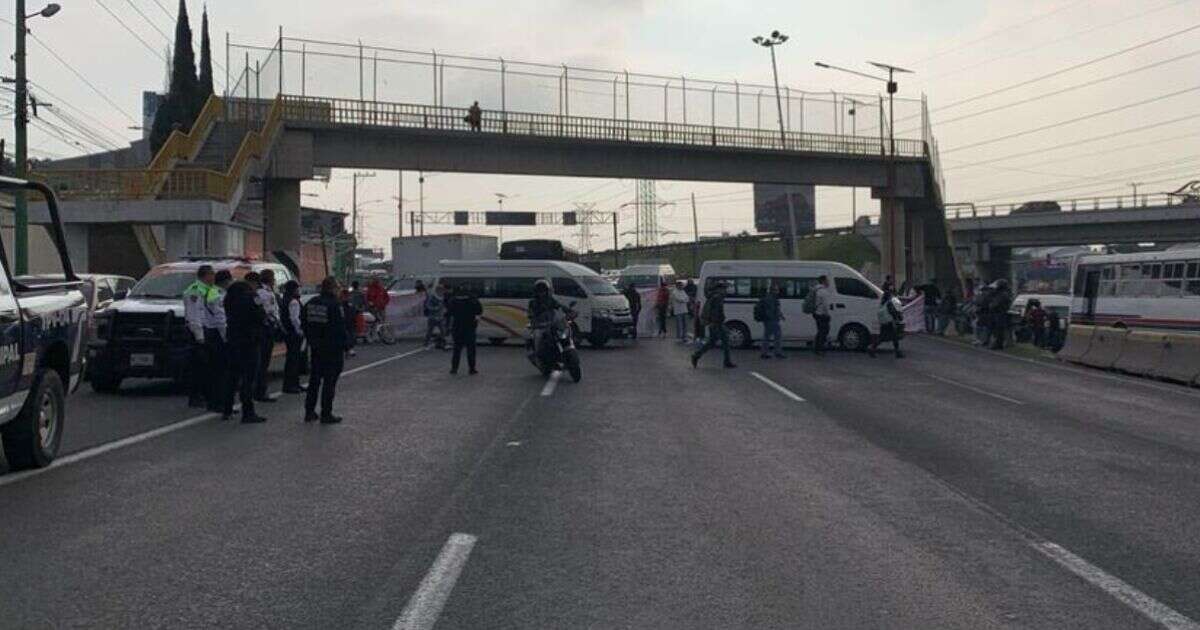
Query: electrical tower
[(647, 209), (583, 212)]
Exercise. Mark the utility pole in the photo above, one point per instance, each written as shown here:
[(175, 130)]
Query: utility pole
[(400, 204), (421, 198), (695, 239), (354, 213), (775, 39), (616, 244)]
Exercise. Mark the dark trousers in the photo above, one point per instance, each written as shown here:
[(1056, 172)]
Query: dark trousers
[(243, 369), (323, 375), (463, 339), (716, 333), (264, 366), (822, 339), (661, 313), (199, 389), (291, 366), (1039, 336), (206, 370), (887, 331), (636, 314)]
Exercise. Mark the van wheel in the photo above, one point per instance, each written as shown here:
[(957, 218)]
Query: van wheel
[(103, 383), (739, 335), (854, 337), (32, 439)]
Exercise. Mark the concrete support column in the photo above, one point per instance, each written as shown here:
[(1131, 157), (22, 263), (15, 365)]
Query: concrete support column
[(916, 249), (281, 216), (893, 229), (176, 245)]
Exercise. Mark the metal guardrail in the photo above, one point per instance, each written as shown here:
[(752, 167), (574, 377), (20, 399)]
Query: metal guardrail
[(1086, 204), (336, 111)]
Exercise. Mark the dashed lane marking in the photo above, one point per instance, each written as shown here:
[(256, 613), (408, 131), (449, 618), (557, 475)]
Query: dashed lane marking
[(425, 605), (108, 447), (983, 392), (548, 389), (777, 387)]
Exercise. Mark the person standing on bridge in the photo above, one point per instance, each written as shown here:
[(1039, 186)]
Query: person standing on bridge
[(713, 315), (475, 116), (323, 320)]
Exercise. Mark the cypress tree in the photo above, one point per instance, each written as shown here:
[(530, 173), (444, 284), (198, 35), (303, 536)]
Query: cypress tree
[(206, 72), (180, 107)]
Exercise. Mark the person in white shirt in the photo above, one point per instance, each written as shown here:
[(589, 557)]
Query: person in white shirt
[(680, 307), (293, 336), (821, 314), (266, 298)]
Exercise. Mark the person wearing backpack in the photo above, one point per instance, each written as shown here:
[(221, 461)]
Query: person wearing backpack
[(891, 323), (817, 304), (713, 314), (768, 311)]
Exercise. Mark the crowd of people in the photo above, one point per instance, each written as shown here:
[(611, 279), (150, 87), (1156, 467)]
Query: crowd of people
[(235, 324)]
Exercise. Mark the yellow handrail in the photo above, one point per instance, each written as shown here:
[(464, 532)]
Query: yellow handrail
[(185, 146)]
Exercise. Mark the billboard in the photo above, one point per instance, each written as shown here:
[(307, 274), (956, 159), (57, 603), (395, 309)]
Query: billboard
[(771, 210)]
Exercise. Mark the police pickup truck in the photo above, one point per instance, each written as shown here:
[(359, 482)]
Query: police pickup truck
[(41, 350)]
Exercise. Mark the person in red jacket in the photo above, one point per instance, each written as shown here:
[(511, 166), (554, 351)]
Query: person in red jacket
[(377, 299), (662, 298)]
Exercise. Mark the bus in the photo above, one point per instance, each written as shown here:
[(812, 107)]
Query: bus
[(1142, 290), (538, 249)]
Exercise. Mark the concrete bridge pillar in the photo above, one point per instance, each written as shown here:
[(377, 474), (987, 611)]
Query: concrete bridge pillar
[(893, 230), (281, 218)]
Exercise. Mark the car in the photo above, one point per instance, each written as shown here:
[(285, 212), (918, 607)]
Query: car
[(1036, 207), (144, 335), (100, 291), (41, 338)]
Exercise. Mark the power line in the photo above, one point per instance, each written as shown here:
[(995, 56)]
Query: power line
[(167, 13), (152, 49), (61, 101), (1093, 154), (1072, 88), (1146, 169), (148, 20), (82, 78), (999, 31), (1072, 120)]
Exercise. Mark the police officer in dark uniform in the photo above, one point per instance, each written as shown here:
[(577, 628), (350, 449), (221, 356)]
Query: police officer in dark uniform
[(325, 327), (247, 323), (464, 310)]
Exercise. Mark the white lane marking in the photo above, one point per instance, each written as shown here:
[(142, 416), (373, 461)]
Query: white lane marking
[(777, 387), (153, 433), (1182, 390), (975, 389), (1153, 609), (425, 605), (548, 389)]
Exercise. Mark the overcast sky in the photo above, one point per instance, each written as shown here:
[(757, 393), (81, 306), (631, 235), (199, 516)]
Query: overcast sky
[(959, 49)]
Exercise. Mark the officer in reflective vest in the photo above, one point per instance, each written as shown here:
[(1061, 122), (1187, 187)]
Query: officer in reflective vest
[(206, 339), (325, 327)]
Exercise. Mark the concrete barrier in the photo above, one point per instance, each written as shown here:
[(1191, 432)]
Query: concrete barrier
[(1180, 359), (1143, 353), (1106, 348), (1079, 340)]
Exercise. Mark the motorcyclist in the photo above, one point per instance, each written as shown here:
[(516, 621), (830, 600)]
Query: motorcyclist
[(541, 311)]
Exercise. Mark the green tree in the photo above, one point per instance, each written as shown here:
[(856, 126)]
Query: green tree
[(206, 73), (179, 109)]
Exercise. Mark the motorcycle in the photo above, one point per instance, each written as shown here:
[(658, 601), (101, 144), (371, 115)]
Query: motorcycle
[(552, 346)]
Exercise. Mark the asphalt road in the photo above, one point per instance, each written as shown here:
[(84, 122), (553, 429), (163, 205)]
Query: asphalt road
[(955, 488)]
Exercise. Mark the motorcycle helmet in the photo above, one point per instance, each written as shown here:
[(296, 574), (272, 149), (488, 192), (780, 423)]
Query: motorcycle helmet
[(541, 287)]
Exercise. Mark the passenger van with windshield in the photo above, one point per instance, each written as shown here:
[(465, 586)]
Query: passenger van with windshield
[(504, 287), (853, 304), (1140, 290), (646, 276)]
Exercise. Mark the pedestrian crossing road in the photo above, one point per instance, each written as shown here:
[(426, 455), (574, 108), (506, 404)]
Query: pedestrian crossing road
[(953, 488)]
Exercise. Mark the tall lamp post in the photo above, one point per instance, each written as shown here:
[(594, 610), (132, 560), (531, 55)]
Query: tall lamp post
[(892, 88), (853, 189), (770, 42), (354, 213), (21, 151)]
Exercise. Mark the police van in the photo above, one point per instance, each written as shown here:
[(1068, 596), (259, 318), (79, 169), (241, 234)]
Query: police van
[(853, 303), (144, 335), (504, 288), (42, 330)]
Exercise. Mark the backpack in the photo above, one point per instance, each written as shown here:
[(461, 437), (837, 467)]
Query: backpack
[(759, 312), (810, 301), (885, 313)]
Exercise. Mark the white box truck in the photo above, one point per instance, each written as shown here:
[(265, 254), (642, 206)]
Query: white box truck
[(418, 256)]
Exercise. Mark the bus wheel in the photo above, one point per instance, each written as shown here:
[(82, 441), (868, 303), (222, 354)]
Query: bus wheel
[(739, 335), (854, 337)]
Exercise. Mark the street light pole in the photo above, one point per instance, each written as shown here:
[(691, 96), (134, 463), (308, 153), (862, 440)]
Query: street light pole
[(354, 212), (775, 39), (21, 138)]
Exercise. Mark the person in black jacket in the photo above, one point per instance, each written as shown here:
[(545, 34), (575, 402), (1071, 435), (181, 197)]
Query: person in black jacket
[(325, 327), (464, 310), (293, 336), (247, 323), (635, 305), (891, 324), (713, 314)]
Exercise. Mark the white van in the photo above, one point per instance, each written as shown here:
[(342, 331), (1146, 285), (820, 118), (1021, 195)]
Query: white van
[(853, 307), (646, 276), (506, 286)]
